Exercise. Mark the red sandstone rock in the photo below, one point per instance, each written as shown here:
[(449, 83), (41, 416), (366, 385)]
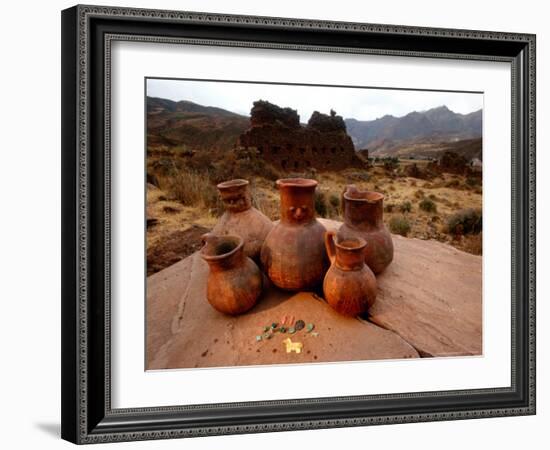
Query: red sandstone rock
[(439, 315), (203, 337)]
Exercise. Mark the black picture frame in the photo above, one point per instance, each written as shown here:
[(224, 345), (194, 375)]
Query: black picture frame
[(87, 416)]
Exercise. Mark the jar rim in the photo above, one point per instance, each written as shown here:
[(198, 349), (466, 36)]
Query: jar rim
[(296, 182), (363, 196), (342, 243), (230, 184), (236, 241)]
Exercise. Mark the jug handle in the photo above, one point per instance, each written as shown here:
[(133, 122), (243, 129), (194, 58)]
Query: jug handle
[(330, 246)]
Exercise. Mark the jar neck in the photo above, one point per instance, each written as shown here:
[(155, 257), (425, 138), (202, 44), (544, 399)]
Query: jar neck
[(222, 252), (363, 214), (350, 259), (297, 204), (237, 202), (235, 195), (227, 262)]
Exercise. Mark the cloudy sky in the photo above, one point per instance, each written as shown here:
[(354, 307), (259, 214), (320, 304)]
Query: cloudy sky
[(357, 103)]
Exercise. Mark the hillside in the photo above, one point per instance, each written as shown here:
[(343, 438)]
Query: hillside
[(186, 125), (386, 135), (469, 148)]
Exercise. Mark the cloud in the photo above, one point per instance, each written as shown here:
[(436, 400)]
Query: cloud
[(359, 103)]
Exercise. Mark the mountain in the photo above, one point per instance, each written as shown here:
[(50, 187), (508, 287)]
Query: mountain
[(387, 134), (425, 149), (186, 125)]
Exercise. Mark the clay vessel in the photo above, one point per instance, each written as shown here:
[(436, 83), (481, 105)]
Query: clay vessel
[(349, 285), (235, 281), (363, 217), (241, 218), (293, 255)]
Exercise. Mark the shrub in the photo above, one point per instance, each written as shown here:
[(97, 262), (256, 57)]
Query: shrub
[(333, 206), (311, 173), (427, 205), (237, 163), (221, 170), (466, 221), (454, 183), (201, 161), (391, 163), (357, 176), (405, 207), (334, 200), (412, 170), (400, 225), (193, 189), (320, 204), (453, 163), (263, 203), (152, 179), (473, 244), (473, 181)]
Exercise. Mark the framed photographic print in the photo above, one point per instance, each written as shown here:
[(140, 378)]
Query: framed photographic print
[(282, 224)]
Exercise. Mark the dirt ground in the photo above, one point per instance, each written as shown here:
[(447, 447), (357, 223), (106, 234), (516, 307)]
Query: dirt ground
[(174, 229)]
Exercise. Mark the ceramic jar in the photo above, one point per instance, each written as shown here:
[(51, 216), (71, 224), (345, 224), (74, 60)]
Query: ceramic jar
[(234, 282), (363, 217), (293, 254), (349, 285), (241, 218)]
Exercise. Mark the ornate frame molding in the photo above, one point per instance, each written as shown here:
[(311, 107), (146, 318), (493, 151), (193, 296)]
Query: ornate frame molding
[(78, 425)]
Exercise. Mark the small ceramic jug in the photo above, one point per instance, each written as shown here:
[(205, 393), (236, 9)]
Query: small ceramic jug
[(293, 254), (363, 217), (349, 285), (234, 282), (241, 218)]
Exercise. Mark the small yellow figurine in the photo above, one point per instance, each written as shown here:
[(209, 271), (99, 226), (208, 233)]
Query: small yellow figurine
[(293, 346)]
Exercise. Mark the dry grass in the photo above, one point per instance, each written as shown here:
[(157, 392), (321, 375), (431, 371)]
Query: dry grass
[(171, 215), (192, 188), (473, 244), (200, 205)]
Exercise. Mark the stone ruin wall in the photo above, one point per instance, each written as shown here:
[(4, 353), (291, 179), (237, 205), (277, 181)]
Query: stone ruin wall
[(279, 138)]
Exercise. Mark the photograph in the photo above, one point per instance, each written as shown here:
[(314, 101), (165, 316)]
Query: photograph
[(307, 224)]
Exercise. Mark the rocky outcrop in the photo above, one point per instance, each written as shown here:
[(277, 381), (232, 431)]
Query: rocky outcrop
[(429, 304), (430, 295), (279, 138), (326, 124), (265, 113)]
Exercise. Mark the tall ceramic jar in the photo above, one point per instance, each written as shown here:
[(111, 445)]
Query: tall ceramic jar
[(241, 218), (234, 282), (293, 254), (363, 217), (349, 285)]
